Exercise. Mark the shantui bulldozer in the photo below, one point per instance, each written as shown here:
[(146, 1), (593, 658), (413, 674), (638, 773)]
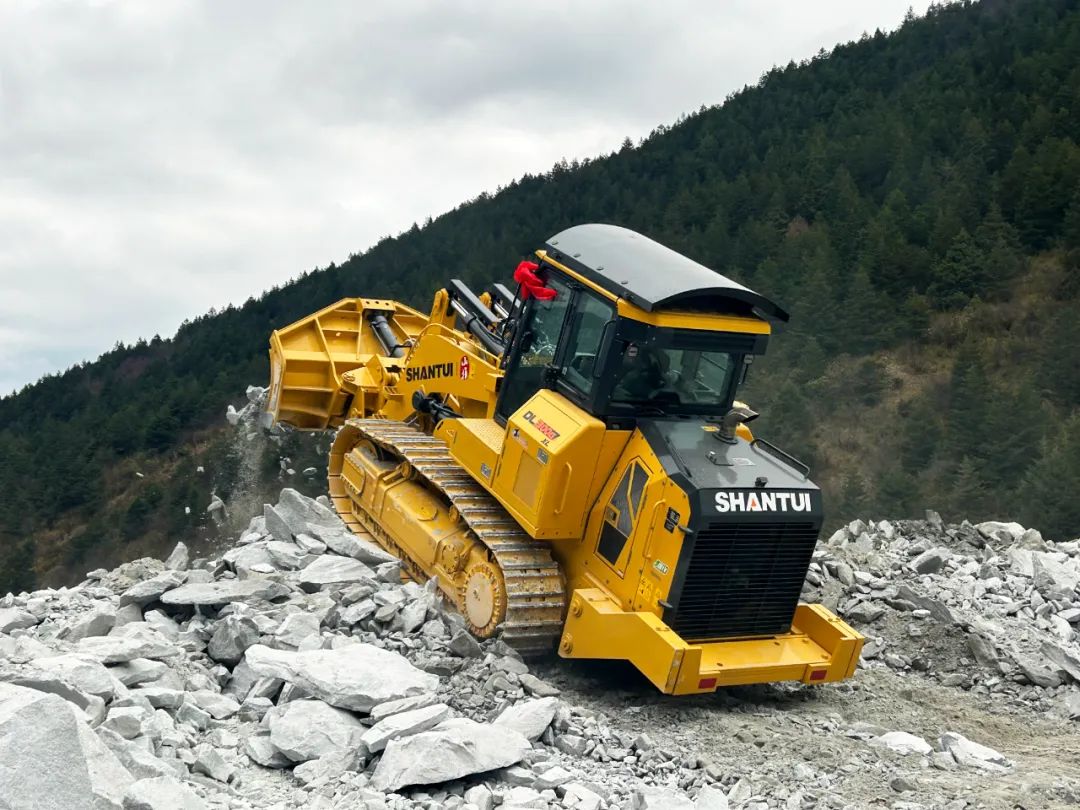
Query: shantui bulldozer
[(570, 463)]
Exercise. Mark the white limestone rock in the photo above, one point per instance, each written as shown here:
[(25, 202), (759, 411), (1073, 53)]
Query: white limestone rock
[(51, 759), (903, 743), (161, 793), (332, 570), (16, 619), (296, 627), (452, 750), (971, 754), (261, 751), (403, 724), (137, 671), (232, 636), (355, 676), (179, 558), (309, 729), (98, 621), (530, 718), (223, 592), (149, 590), (658, 798), (138, 761), (83, 672), (342, 541), (141, 643), (710, 797)]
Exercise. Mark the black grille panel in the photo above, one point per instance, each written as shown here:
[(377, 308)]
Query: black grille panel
[(744, 580)]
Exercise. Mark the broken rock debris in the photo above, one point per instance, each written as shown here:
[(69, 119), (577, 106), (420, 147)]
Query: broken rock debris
[(298, 670)]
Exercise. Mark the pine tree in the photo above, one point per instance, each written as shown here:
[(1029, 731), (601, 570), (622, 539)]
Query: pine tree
[(960, 274), (1048, 499)]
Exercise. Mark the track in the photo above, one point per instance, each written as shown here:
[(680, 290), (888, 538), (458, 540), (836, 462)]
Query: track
[(535, 595)]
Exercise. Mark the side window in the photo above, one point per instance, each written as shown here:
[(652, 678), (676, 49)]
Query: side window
[(586, 330)]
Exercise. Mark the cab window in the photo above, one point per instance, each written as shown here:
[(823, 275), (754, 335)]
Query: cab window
[(585, 333), (539, 343)]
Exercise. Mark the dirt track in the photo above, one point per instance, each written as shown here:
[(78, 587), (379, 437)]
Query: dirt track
[(813, 740)]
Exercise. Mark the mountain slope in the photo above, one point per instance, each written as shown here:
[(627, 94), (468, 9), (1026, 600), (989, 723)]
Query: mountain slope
[(912, 197)]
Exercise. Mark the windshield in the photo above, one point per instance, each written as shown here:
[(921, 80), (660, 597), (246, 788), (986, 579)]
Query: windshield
[(676, 379)]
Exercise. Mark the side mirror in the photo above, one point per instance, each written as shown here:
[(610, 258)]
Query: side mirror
[(601, 361), (748, 360)]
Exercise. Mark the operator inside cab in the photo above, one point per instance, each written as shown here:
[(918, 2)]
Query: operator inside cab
[(653, 376)]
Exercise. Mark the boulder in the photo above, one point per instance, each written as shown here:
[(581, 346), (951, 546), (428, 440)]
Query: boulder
[(51, 759), (215, 704), (972, 754), (1062, 659), (537, 687), (710, 797), (583, 797), (300, 511), (223, 592), (464, 644), (903, 743), (530, 718), (332, 570), (261, 751), (138, 670), (210, 762), (454, 750), (296, 627), (1002, 532), (149, 590), (179, 558), (309, 729), (84, 673), (658, 798), (16, 619), (356, 676), (139, 762), (142, 643), (403, 724), (232, 636), (931, 561), (392, 707), (276, 524), (161, 793), (348, 544), (97, 622)]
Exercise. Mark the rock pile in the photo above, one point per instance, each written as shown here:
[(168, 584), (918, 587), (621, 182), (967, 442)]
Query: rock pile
[(295, 670), (298, 670), (992, 608)]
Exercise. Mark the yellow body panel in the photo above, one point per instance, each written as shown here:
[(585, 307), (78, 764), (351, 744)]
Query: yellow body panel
[(543, 466), (820, 648)]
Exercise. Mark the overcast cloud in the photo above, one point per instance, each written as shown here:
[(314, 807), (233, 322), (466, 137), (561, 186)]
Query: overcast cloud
[(159, 158)]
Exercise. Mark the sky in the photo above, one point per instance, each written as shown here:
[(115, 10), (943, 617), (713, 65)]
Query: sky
[(159, 158)]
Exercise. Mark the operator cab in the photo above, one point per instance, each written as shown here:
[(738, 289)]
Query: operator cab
[(634, 329)]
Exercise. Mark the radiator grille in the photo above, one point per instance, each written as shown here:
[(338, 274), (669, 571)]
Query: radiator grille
[(744, 580)]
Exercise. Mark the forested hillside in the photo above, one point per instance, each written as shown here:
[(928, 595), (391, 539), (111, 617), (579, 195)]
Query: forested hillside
[(913, 198)]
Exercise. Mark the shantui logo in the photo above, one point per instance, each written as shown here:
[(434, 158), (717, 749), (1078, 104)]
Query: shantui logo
[(463, 367), (762, 501)]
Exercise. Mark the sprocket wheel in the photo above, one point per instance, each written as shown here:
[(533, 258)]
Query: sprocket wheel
[(482, 599)]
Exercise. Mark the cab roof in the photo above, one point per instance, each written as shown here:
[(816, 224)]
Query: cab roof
[(651, 276)]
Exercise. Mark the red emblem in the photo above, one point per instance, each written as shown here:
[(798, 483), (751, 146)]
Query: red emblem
[(463, 367)]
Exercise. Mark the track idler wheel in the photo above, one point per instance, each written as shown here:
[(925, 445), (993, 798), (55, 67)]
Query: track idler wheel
[(482, 599)]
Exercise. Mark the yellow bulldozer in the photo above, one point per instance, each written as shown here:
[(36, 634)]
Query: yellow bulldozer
[(570, 463)]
